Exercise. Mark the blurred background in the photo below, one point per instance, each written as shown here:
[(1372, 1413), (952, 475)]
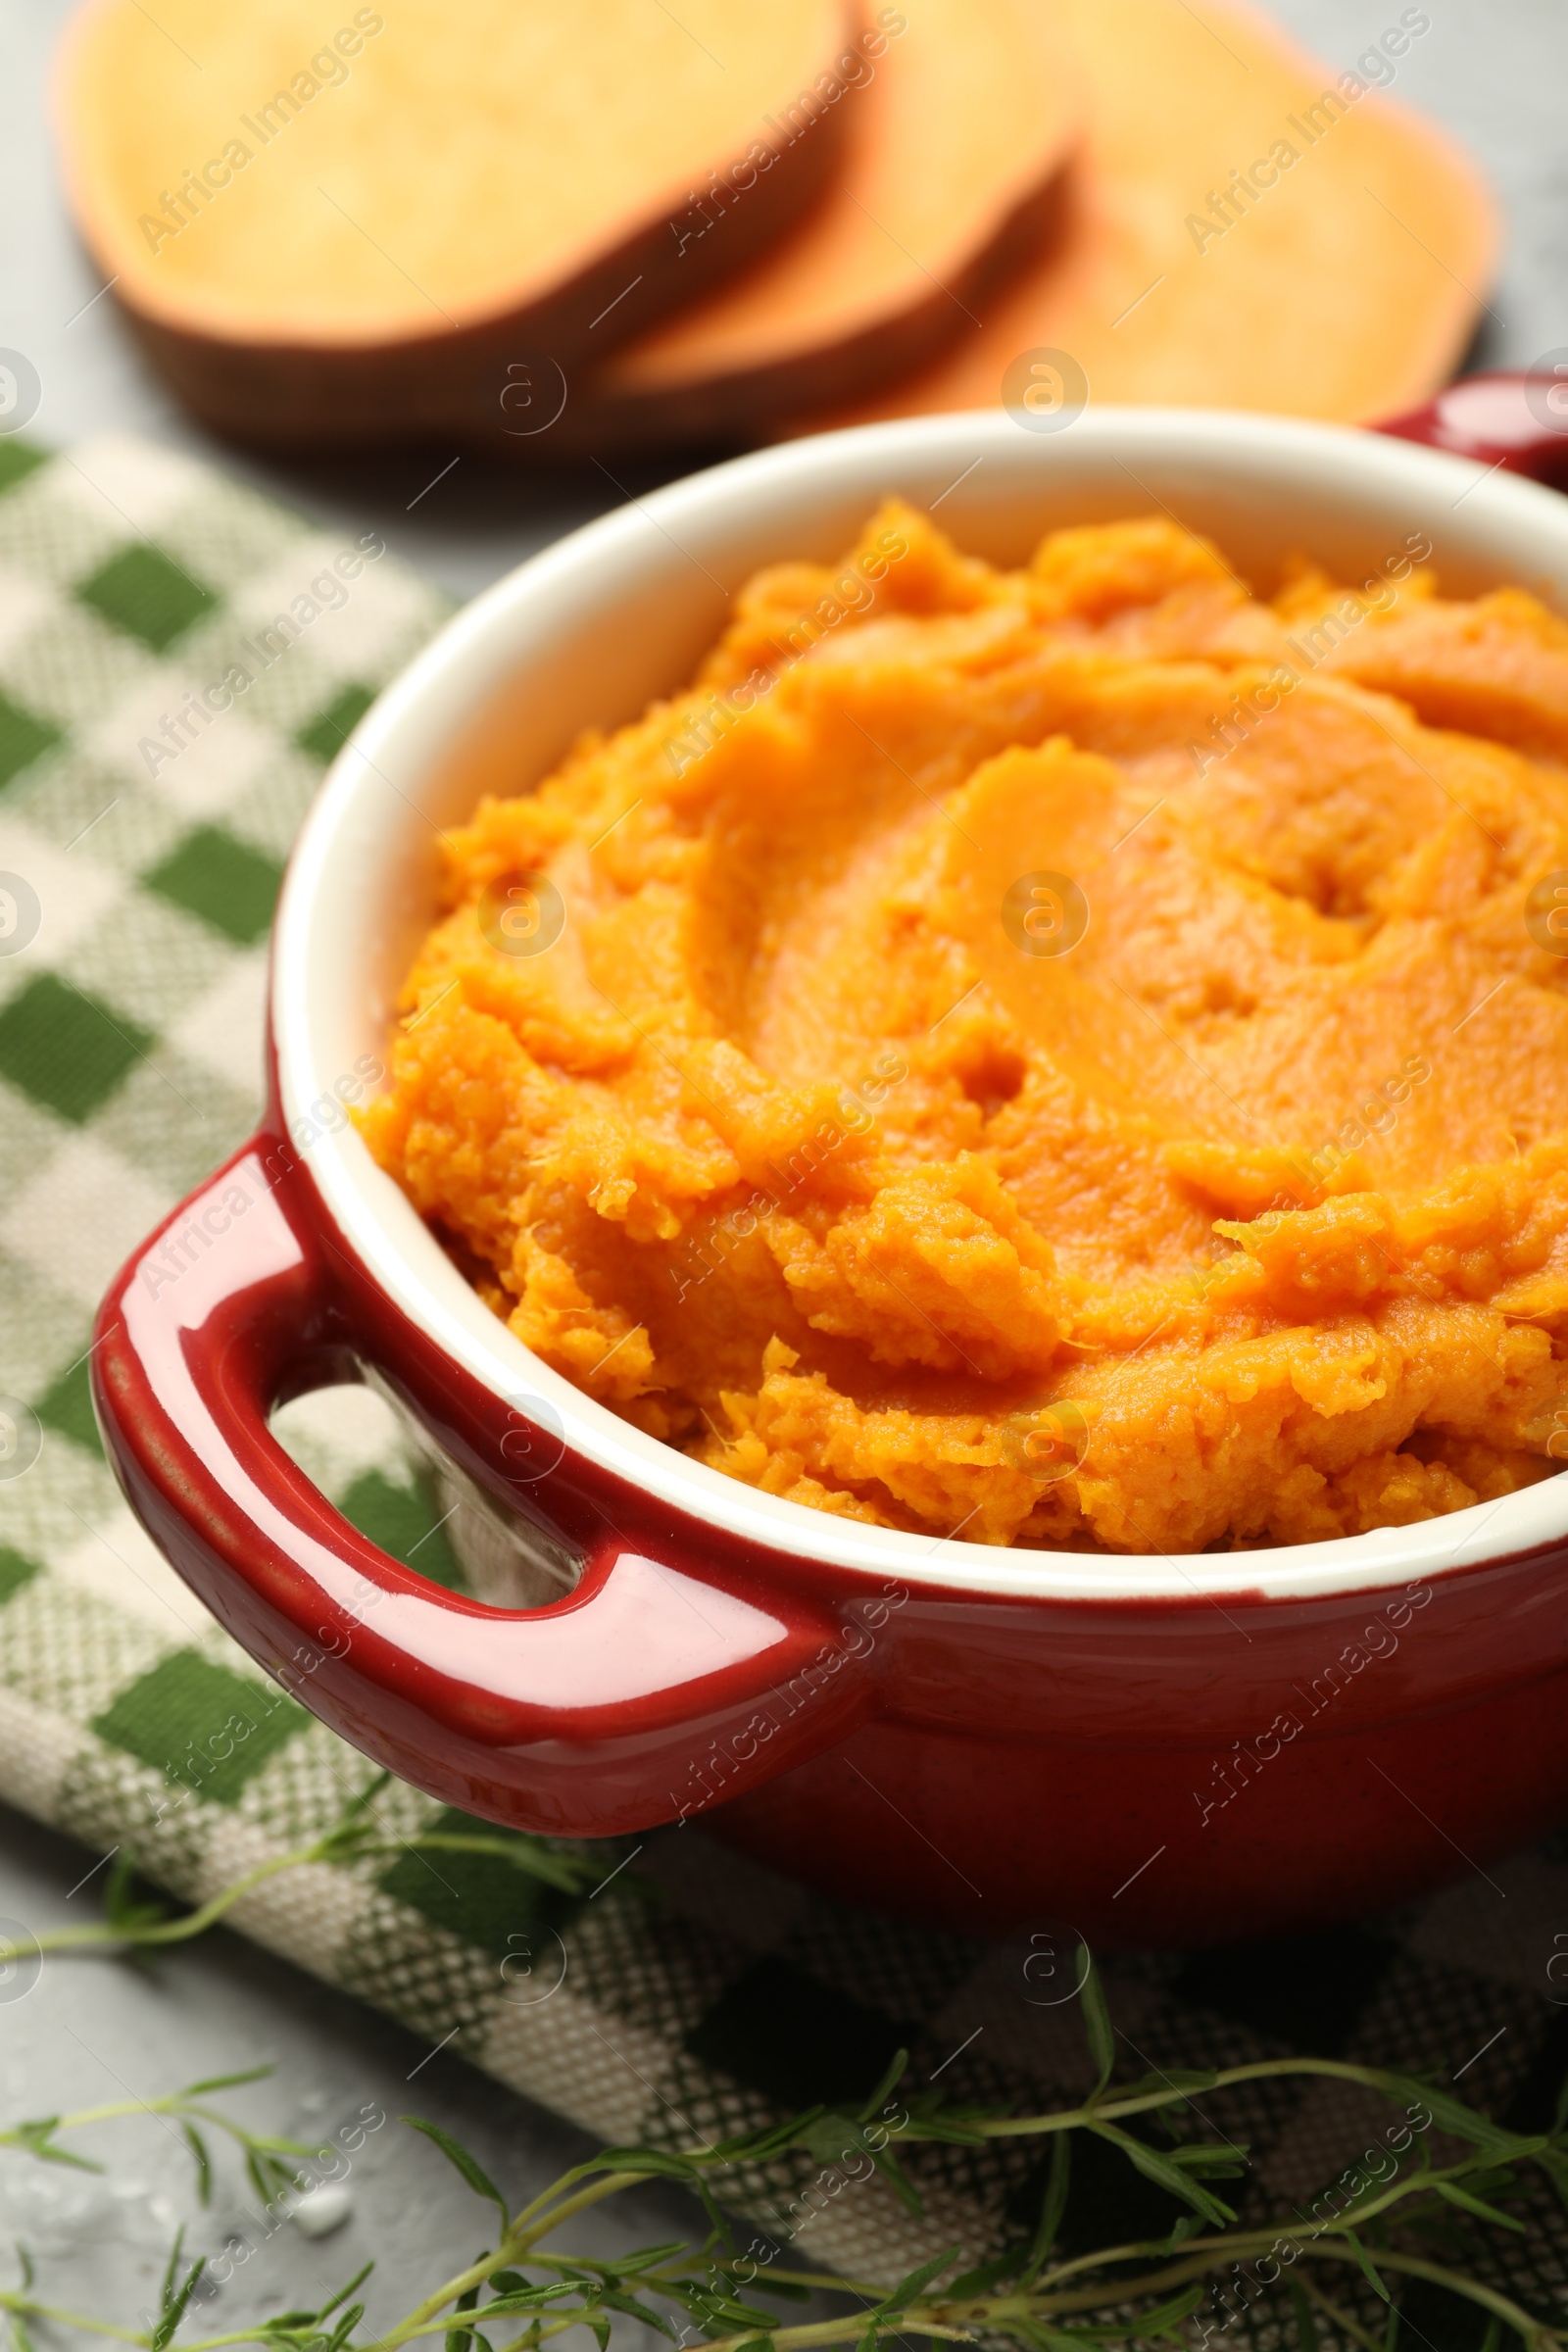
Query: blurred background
[(1493, 76)]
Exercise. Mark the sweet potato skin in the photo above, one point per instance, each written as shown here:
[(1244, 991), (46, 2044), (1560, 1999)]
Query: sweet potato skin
[(276, 361), (1344, 284), (459, 383), (951, 188)]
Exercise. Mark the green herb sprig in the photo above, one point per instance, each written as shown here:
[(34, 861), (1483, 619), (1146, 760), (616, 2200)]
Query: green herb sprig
[(524, 2291), (131, 1921), (1425, 2221)]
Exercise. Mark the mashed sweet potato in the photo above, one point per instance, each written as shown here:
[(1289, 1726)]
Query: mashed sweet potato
[(1077, 1055)]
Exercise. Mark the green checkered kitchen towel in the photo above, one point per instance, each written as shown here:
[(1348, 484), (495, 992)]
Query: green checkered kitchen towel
[(140, 849)]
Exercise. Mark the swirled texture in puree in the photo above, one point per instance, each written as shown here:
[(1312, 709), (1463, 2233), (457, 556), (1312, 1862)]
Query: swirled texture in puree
[(1246, 1219)]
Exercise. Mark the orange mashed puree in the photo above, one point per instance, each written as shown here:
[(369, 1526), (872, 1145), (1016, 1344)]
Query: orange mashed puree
[(1074, 1056)]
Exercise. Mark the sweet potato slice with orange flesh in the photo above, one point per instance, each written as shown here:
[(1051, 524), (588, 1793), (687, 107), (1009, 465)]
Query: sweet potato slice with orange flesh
[(1345, 285), (342, 227), (947, 184)]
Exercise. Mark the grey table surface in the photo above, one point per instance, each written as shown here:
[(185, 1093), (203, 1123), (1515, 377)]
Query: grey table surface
[(96, 2029)]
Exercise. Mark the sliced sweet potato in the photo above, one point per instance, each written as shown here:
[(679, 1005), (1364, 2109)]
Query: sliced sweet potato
[(331, 232), (948, 182), (1341, 279)]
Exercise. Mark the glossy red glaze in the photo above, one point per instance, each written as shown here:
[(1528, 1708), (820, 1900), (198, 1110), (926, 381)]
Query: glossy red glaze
[(580, 1719), (1515, 419), (1127, 1766), (1169, 1770)]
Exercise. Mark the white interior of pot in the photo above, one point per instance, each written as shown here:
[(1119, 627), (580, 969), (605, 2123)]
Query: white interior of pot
[(593, 630)]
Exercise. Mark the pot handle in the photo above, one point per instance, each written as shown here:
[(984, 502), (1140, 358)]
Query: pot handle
[(657, 1688), (1513, 418)]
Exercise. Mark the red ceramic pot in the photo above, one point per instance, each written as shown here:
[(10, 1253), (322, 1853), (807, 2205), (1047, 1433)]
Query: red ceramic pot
[(1157, 1750)]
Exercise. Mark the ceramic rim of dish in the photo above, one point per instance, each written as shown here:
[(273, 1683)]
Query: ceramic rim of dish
[(313, 972)]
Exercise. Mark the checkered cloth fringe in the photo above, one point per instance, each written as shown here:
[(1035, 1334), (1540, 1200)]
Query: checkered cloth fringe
[(142, 836)]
